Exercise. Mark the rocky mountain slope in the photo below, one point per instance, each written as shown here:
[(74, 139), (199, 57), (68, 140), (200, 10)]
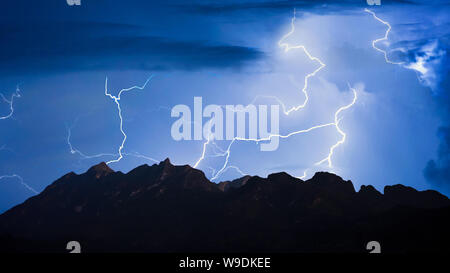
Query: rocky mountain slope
[(167, 208)]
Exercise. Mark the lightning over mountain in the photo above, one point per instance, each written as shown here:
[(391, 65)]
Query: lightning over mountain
[(119, 153), (74, 150), (227, 153), (117, 102), (230, 88)]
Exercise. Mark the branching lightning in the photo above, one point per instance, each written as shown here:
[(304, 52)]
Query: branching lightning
[(74, 150), (117, 101), (10, 102), (208, 140), (257, 140), (286, 111), (120, 154), (18, 177), (287, 48), (385, 38), (336, 124)]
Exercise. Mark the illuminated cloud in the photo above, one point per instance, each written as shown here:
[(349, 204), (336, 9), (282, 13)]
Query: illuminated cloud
[(426, 61)]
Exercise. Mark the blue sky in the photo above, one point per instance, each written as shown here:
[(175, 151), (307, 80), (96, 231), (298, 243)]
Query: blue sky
[(226, 52)]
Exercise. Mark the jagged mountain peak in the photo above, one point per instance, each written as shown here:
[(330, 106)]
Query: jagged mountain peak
[(370, 190), (166, 207), (280, 176), (234, 184), (326, 176), (99, 170), (401, 194), (332, 183), (166, 162)]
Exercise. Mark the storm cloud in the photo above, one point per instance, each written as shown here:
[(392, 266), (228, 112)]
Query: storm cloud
[(92, 46)]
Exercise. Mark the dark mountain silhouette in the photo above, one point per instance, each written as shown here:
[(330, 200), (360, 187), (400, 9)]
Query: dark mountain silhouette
[(167, 208)]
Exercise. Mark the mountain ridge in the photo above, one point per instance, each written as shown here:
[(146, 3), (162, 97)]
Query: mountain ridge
[(167, 208)]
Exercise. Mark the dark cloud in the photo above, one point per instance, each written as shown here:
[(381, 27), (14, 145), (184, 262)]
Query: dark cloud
[(438, 171), (87, 46), (316, 6)]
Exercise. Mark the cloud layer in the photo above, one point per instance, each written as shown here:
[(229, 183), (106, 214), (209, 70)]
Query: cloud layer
[(95, 46)]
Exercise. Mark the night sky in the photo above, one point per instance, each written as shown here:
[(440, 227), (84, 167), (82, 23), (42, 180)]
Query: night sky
[(55, 58)]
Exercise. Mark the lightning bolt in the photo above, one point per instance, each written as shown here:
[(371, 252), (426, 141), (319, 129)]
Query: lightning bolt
[(385, 38), (120, 154), (234, 168), (218, 152), (287, 48), (303, 176), (257, 140), (210, 140), (74, 150), (286, 111), (18, 177), (117, 102), (10, 102), (328, 158), (420, 69), (336, 124)]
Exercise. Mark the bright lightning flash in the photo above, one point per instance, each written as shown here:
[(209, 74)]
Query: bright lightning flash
[(227, 152), (117, 101), (385, 38), (287, 48), (336, 124), (120, 154)]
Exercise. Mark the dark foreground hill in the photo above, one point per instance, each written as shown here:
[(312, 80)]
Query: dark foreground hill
[(166, 208)]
